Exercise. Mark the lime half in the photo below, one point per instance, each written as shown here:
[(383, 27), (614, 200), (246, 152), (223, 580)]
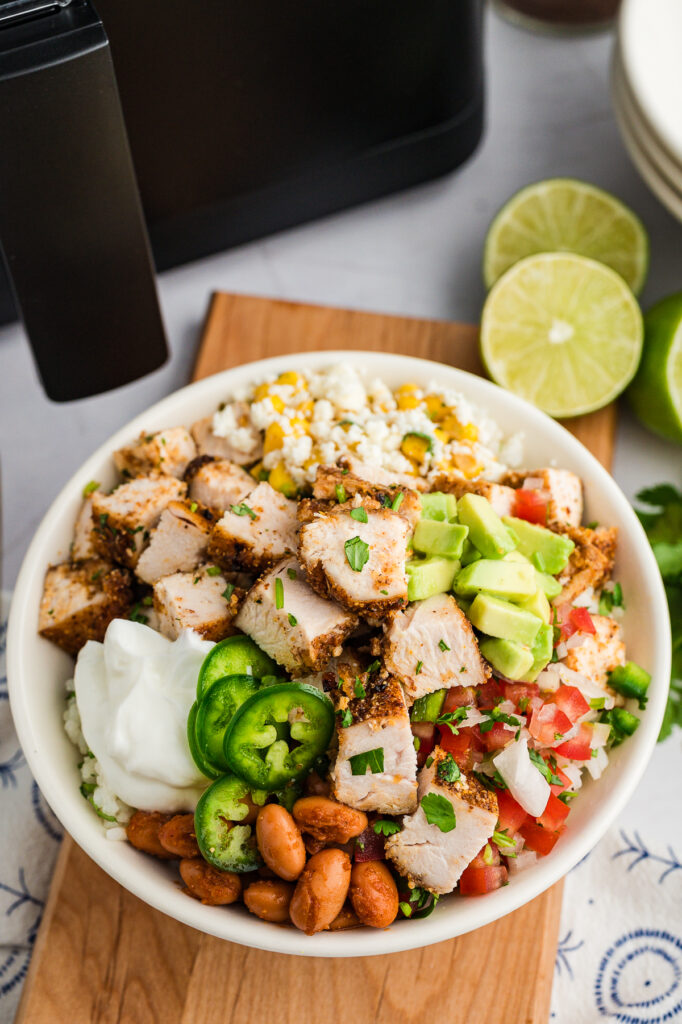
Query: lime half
[(656, 392), (562, 331), (564, 215)]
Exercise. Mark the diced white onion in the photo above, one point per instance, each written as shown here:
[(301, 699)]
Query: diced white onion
[(577, 640), (600, 734), (561, 650), (532, 483), (596, 765), (589, 689), (528, 787), (584, 599), (549, 679), (117, 833), (572, 770), (524, 860)]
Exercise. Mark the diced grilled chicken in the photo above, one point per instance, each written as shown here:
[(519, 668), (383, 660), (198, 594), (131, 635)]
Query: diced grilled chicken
[(196, 600), (382, 477), (330, 543), (124, 519), (178, 543), (591, 560), (431, 645), (79, 601), (237, 439), (217, 483), (291, 623), (83, 545), (500, 496), (333, 484), (564, 492), (378, 721), (429, 857), (167, 451), (600, 652), (262, 530)]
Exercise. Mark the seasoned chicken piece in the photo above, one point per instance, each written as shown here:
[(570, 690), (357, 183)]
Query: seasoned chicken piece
[(377, 475), (591, 560), (377, 722), (167, 451), (217, 483), (196, 600), (600, 652), (124, 519), (334, 484), (291, 623), (178, 543), (229, 434), (429, 857), (333, 548), (83, 544), (564, 492), (256, 532), (79, 602), (500, 497), (431, 645)]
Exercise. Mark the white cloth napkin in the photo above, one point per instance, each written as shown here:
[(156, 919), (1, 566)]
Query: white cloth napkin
[(620, 951)]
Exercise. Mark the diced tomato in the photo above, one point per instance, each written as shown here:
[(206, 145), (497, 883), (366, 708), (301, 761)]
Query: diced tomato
[(517, 692), (368, 846), (578, 748), (458, 697), (570, 700), (531, 505), (490, 694), (426, 734), (496, 737), (582, 620), (548, 722), (511, 814), (465, 747), (562, 619), (478, 881), (565, 781), (554, 814), (538, 838)]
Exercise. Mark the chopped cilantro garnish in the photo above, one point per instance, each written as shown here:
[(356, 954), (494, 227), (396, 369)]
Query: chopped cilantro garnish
[(357, 553), (438, 811), (345, 717), (340, 493), (358, 688), (503, 840), (372, 759), (443, 646), (452, 716), (373, 666), (383, 827), (90, 488), (359, 514), (448, 769), (397, 501), (544, 768), (292, 574), (567, 796), (420, 665), (293, 621), (279, 593), (495, 715), (193, 507), (213, 570), (243, 510), (228, 591)]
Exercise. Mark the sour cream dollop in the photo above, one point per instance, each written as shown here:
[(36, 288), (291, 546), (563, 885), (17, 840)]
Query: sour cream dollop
[(134, 692)]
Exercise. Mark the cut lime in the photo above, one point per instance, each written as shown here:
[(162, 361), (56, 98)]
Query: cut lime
[(562, 331), (564, 215), (656, 392)]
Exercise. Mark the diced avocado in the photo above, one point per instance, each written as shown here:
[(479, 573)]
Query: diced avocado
[(550, 586), (463, 603), (512, 580), (541, 649), (435, 538), (469, 553), (554, 548), (507, 657), (486, 529), (503, 619), (537, 604), (439, 506), (429, 576), (428, 708)]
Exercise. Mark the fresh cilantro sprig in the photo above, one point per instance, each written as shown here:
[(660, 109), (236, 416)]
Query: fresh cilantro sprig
[(372, 759), (383, 827), (546, 768), (438, 811), (451, 717)]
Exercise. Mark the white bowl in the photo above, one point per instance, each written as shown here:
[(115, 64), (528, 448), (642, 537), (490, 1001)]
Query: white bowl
[(37, 672)]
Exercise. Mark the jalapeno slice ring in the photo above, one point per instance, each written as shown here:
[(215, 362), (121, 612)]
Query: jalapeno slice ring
[(234, 656), (216, 707), (277, 733), (200, 761), (223, 842)]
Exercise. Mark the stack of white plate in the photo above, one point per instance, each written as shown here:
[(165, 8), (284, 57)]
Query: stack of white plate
[(647, 93)]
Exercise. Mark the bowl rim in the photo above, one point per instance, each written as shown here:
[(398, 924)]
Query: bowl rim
[(243, 928)]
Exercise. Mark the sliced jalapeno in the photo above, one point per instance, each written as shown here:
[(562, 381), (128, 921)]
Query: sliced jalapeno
[(234, 656), (223, 842), (200, 761), (217, 705), (277, 733)]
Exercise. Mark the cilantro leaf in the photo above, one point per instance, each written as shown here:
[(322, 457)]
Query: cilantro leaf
[(544, 769), (452, 716), (359, 514), (383, 827), (372, 759), (357, 553), (448, 769), (438, 811), (243, 510), (359, 689)]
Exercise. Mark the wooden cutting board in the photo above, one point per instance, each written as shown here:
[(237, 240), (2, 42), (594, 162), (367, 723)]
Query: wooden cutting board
[(103, 956)]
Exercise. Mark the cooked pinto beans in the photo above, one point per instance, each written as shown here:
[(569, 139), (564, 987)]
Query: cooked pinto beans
[(143, 832), (269, 900), (327, 820), (346, 918), (208, 884), (280, 842), (177, 836), (321, 891), (374, 894)]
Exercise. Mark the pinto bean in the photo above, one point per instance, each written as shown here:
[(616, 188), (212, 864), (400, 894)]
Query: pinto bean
[(320, 891), (178, 836), (269, 900), (374, 894), (346, 918), (280, 842), (208, 884), (327, 820), (143, 832)]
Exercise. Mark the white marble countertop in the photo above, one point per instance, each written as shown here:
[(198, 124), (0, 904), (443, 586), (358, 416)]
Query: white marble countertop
[(418, 253)]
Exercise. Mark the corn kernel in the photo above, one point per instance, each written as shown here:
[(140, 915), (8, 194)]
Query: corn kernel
[(292, 378), (261, 392), (407, 396), (415, 447), (467, 464), (259, 472), (274, 438), (279, 479), (457, 430), (435, 406)]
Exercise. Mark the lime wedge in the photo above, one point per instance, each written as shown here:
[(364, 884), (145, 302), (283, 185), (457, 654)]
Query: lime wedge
[(562, 331), (564, 215), (656, 392)]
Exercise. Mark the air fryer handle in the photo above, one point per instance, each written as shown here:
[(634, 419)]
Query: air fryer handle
[(71, 223)]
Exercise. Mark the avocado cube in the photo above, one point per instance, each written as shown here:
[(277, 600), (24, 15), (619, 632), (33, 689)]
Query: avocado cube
[(553, 549), (512, 580), (537, 604), (503, 619), (507, 657), (550, 586), (486, 529), (463, 603), (469, 553), (428, 707), (432, 537), (439, 506), (429, 576), (541, 649)]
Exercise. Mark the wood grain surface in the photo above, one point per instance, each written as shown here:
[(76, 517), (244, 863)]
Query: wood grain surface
[(104, 957)]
